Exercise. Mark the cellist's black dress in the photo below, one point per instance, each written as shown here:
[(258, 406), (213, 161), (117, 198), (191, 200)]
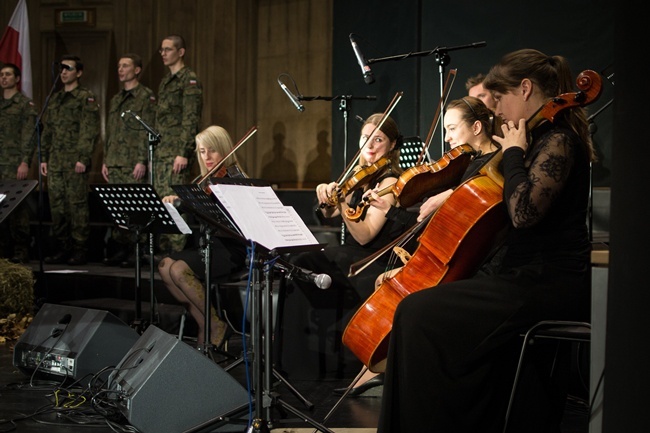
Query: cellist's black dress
[(454, 347)]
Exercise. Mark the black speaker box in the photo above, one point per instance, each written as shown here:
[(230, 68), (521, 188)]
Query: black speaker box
[(164, 385), (71, 342)]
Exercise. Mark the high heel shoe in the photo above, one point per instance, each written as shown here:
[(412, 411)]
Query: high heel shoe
[(358, 390)]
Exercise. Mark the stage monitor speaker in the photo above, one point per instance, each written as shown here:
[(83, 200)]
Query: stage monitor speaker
[(65, 342), (164, 385)]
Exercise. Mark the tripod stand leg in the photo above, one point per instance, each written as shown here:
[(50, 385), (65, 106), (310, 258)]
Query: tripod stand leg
[(345, 394), (296, 412), (293, 390)]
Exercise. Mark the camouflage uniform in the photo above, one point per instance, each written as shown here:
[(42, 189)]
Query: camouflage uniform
[(180, 101), (70, 133), (126, 141), (17, 144)]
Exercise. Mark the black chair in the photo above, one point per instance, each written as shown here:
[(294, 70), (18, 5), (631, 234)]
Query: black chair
[(579, 332)]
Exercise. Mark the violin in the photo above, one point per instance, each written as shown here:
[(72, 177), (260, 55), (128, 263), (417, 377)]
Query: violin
[(454, 243), (417, 181), (409, 197), (360, 179)]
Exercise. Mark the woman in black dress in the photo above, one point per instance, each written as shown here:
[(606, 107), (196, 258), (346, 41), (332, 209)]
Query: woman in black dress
[(183, 272), (308, 341), (454, 347)]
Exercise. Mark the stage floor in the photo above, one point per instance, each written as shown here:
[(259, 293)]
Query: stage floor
[(28, 405)]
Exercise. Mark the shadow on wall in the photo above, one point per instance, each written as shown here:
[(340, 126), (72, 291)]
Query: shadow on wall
[(280, 171), (319, 161)]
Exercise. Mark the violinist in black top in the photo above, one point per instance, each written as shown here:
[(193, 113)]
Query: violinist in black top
[(454, 347), (309, 338), (183, 272)]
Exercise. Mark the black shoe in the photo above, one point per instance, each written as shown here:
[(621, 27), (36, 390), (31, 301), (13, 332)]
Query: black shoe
[(358, 390), (78, 259), (116, 259), (57, 259)]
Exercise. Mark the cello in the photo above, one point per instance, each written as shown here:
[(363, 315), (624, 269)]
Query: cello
[(457, 239)]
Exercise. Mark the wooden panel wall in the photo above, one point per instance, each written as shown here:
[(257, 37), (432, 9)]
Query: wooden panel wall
[(237, 47)]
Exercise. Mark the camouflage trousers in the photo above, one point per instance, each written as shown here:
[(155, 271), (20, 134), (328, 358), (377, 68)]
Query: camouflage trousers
[(68, 194), (15, 230), (164, 178)]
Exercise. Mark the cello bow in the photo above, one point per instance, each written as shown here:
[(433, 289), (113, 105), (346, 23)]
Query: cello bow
[(449, 82)]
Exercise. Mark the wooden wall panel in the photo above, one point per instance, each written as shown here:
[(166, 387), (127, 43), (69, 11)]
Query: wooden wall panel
[(237, 48)]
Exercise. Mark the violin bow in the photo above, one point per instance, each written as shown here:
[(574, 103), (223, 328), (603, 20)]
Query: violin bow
[(449, 82), (357, 267), (202, 178), (354, 160)]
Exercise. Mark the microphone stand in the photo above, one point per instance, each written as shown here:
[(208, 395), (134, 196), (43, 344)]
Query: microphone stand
[(443, 59), (153, 139), (344, 109), (41, 200)]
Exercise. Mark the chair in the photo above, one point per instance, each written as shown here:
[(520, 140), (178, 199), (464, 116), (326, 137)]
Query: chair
[(579, 332)]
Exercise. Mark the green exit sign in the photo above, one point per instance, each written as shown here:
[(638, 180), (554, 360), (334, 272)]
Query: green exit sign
[(74, 17), (67, 17)]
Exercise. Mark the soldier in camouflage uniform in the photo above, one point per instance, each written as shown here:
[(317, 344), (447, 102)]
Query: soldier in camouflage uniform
[(69, 135), (17, 143), (126, 146), (178, 115)]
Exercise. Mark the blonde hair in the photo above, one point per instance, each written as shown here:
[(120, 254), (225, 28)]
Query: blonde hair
[(215, 139)]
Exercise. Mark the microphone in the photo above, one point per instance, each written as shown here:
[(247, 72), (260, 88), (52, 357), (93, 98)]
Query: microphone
[(65, 320), (148, 128), (124, 113), (294, 99), (368, 76), (322, 281)]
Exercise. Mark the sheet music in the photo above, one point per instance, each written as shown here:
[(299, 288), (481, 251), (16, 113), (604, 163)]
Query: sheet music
[(178, 219), (262, 217)]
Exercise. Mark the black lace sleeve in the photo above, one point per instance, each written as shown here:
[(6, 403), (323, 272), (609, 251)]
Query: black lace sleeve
[(530, 191)]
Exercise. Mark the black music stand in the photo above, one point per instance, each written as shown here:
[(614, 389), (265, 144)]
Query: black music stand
[(14, 192), (138, 209), (261, 263)]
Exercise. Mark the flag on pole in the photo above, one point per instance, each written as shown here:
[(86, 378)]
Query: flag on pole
[(14, 46)]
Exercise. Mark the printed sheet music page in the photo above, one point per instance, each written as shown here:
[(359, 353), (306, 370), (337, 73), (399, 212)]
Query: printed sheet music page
[(262, 217)]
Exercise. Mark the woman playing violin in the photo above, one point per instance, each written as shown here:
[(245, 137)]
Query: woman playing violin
[(311, 313), (467, 121), (183, 272), (465, 334)]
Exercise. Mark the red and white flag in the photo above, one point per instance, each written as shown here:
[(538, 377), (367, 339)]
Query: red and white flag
[(14, 46)]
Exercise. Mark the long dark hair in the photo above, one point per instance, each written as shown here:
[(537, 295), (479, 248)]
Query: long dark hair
[(389, 127), (551, 74)]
